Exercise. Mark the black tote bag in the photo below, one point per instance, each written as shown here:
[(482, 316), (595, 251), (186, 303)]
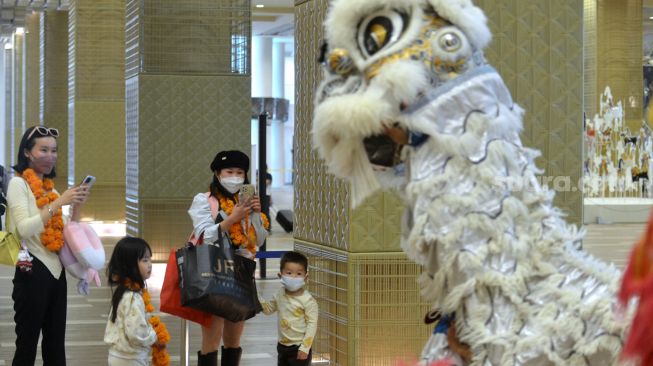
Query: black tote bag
[(215, 280)]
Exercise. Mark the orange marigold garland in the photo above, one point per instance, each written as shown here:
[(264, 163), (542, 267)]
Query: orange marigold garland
[(43, 190), (236, 231), (160, 355)]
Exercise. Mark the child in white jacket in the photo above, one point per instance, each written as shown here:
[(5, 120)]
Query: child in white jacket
[(128, 331)]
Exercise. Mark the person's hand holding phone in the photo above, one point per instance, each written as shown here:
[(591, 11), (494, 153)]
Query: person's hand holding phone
[(255, 204), (74, 195)]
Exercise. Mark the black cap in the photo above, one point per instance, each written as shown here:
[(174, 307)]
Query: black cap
[(230, 159)]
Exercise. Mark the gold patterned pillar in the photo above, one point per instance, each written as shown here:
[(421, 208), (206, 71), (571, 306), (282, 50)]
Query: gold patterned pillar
[(590, 88), (96, 104), (32, 68), (8, 125), (17, 92), (370, 307), (53, 82), (537, 47), (613, 29), (187, 97)]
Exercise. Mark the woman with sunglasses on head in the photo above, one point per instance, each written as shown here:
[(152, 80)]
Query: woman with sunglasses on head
[(34, 212)]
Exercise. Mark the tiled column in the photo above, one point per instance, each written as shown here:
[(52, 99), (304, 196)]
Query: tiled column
[(541, 61), (370, 307), (7, 126), (32, 60), (53, 90), (614, 32), (96, 103), (187, 97), (17, 97)]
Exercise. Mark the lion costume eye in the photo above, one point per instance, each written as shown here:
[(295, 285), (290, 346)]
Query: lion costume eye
[(379, 30)]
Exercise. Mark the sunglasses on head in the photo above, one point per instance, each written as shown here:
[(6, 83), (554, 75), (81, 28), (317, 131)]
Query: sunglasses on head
[(44, 131)]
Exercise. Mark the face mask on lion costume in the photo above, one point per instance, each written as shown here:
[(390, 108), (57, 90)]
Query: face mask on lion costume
[(501, 265)]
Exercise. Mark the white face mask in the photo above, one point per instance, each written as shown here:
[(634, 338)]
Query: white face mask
[(292, 283), (232, 184)]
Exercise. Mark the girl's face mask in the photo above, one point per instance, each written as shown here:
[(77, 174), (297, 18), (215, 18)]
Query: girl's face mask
[(232, 184)]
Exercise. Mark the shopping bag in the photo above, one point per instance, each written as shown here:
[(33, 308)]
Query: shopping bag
[(216, 280), (9, 248), (171, 296)]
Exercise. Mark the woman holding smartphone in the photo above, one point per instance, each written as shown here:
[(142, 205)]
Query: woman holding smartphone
[(245, 225), (34, 212)]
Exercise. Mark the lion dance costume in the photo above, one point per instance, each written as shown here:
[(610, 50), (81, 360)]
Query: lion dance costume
[(499, 261)]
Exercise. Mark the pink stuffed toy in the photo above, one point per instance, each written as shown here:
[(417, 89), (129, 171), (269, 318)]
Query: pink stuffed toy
[(78, 270), (82, 255), (85, 244)]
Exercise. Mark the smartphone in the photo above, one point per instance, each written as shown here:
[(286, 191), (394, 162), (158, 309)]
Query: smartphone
[(247, 192), (88, 181)]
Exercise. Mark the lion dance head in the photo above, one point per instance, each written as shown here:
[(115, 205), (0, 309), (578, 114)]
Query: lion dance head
[(380, 57)]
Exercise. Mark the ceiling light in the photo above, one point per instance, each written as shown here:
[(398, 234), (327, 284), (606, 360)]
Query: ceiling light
[(20, 31), (260, 6)]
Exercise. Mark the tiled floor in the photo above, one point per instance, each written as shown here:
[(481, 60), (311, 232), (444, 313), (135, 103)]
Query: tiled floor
[(87, 315)]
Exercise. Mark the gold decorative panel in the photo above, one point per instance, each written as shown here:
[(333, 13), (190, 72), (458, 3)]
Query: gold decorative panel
[(192, 36), (376, 225), (8, 125), (537, 48), (321, 201), (590, 89), (17, 102), (96, 103), (106, 202), (165, 225), (370, 307), (100, 141), (99, 150), (175, 126), (53, 111), (32, 69), (97, 49), (183, 122), (619, 34)]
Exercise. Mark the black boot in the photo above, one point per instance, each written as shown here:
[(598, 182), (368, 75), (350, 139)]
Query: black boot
[(209, 359), (231, 356)]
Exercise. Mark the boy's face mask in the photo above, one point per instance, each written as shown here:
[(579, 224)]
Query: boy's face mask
[(292, 283)]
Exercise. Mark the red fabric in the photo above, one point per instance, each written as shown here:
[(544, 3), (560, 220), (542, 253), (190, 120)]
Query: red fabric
[(171, 296), (638, 282), (639, 345)]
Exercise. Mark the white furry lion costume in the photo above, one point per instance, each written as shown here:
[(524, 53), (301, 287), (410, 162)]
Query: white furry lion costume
[(495, 252)]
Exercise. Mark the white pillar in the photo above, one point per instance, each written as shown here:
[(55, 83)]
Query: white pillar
[(4, 125), (261, 67), (278, 69), (275, 150)]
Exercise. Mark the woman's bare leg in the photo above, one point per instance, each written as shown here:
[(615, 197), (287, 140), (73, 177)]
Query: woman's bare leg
[(212, 335)]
